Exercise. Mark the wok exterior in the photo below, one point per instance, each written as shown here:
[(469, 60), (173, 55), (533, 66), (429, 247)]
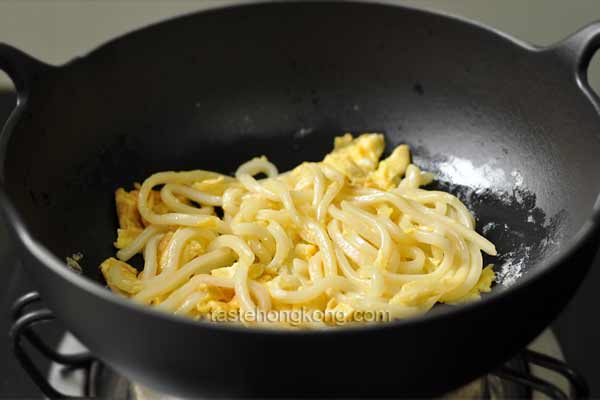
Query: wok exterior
[(423, 358)]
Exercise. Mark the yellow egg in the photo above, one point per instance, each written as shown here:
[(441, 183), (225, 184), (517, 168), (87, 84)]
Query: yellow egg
[(390, 170), (127, 211), (193, 249), (120, 276), (305, 251), (126, 236), (356, 158), (224, 272), (484, 285)]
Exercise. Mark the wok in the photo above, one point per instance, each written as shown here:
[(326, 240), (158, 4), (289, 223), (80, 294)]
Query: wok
[(511, 128)]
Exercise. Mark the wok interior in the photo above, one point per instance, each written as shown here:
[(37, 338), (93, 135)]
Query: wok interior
[(503, 128)]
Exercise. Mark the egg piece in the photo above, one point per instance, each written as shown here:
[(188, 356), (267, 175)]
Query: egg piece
[(127, 210), (356, 158), (224, 272), (130, 221), (215, 293), (305, 251), (266, 277), (389, 171), (417, 293), (126, 236), (285, 281), (161, 251), (385, 211), (255, 271), (484, 285), (213, 297), (192, 249), (120, 276)]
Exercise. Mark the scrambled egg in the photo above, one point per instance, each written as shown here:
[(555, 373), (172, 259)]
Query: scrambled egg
[(130, 221), (127, 211), (305, 251), (356, 158), (192, 249), (120, 276), (161, 251), (359, 160), (389, 171), (156, 204), (484, 285)]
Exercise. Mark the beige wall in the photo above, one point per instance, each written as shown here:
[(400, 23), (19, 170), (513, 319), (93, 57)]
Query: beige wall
[(56, 31)]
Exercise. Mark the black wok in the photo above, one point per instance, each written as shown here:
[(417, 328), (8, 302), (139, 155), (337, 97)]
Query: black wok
[(513, 129)]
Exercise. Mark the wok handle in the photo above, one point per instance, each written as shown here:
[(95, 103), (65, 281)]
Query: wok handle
[(21, 68), (579, 48)]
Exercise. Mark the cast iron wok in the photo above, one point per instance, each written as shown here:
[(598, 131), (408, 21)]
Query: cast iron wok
[(517, 123)]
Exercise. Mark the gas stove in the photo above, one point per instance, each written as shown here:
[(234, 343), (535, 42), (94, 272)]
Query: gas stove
[(537, 371)]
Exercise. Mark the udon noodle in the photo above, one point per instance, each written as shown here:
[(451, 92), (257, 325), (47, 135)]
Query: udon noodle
[(348, 239)]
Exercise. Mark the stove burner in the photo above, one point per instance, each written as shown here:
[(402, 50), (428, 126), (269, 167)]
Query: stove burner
[(513, 380), (106, 383)]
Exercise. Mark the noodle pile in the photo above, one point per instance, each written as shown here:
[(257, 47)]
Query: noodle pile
[(338, 240)]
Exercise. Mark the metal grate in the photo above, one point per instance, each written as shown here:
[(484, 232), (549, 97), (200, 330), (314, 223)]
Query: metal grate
[(513, 380)]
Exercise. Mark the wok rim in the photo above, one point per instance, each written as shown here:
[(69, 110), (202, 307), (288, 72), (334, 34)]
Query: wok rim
[(44, 256)]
